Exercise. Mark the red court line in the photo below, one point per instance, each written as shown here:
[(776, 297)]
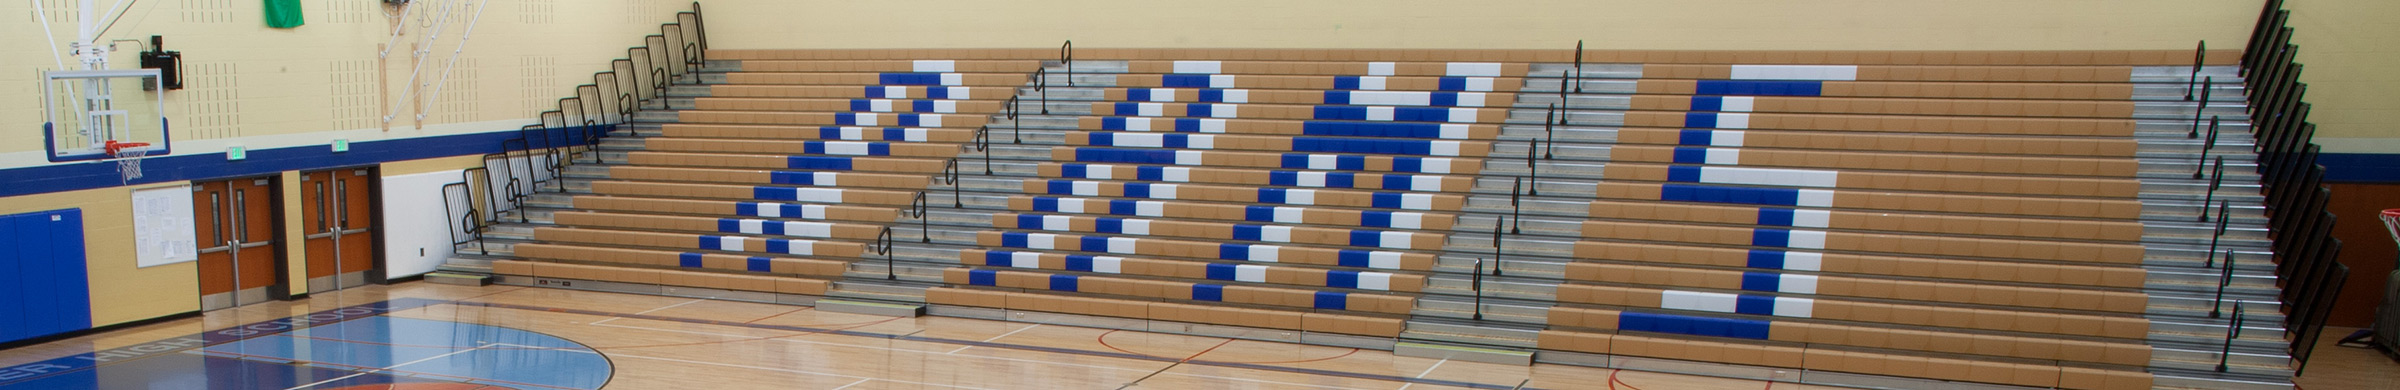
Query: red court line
[(1613, 381), (1206, 351), (1103, 339)]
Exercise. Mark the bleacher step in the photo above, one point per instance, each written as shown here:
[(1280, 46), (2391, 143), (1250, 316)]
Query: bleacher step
[(870, 308), (1464, 353), (1482, 333), (442, 277)]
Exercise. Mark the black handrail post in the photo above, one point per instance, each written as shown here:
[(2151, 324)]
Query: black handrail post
[(700, 26), (2198, 57), (2213, 182), (2202, 110), (2217, 306), (1041, 83), (1066, 55), (1578, 66), (1496, 248), (983, 145), (2205, 148), (924, 221), (1550, 131), (891, 268), (2222, 206), (950, 173), (2225, 356), (1516, 206), (1478, 281), (1533, 173), (1016, 127)]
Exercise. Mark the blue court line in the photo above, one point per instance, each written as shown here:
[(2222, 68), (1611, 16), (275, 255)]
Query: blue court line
[(986, 344)]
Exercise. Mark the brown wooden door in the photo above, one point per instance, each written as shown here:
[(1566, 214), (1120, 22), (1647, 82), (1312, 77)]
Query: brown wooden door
[(236, 227), (337, 213)]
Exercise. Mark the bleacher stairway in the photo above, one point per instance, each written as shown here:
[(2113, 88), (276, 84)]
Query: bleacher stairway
[(1933, 226)]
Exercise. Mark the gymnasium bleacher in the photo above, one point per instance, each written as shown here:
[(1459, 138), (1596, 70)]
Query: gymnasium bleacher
[(1894, 219)]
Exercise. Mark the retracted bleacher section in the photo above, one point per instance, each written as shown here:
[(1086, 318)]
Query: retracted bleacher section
[(1916, 219), (765, 180)]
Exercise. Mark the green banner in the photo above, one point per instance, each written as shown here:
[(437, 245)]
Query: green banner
[(284, 14)]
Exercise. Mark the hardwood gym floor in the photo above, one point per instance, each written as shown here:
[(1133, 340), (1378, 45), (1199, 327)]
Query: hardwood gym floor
[(654, 342)]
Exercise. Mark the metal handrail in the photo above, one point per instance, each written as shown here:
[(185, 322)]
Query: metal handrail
[(1478, 285), (1016, 128), (699, 26), (2211, 144), (2199, 57), (2203, 110), (983, 145), (918, 209), (1578, 68), (2225, 356), (1497, 250), (950, 177), (2216, 306), (1066, 58), (1516, 205), (883, 246), (467, 224), (2214, 182), (1550, 130), (670, 35), (2222, 208), (1533, 171)]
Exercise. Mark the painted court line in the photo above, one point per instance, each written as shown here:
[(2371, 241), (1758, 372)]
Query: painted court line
[(1010, 333), (889, 349), (652, 310), (789, 371), (388, 368), (852, 384), (1428, 371), (1262, 381), (1311, 371)]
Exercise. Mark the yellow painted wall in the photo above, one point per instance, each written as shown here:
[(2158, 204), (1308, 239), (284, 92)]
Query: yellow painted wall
[(295, 235), (2353, 72), (120, 292), (248, 84), (1546, 24)]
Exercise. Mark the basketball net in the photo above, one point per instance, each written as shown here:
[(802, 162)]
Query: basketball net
[(2391, 223), (129, 159)]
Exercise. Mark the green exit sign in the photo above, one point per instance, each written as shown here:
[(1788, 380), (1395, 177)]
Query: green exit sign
[(236, 153), (341, 145)]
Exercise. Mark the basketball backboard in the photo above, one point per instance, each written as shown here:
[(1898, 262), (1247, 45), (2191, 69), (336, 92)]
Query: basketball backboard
[(85, 109)]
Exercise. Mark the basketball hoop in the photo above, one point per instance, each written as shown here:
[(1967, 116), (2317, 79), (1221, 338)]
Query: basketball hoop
[(2391, 223), (129, 158)]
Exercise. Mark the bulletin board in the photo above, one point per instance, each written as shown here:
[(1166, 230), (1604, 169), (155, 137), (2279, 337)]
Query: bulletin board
[(162, 226)]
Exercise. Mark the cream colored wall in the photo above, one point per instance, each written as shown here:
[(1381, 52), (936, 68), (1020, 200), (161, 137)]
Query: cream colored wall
[(261, 87), (120, 291), (1547, 24), (2353, 72)]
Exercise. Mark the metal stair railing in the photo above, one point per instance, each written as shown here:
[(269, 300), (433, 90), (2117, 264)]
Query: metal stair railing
[(607, 87)]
